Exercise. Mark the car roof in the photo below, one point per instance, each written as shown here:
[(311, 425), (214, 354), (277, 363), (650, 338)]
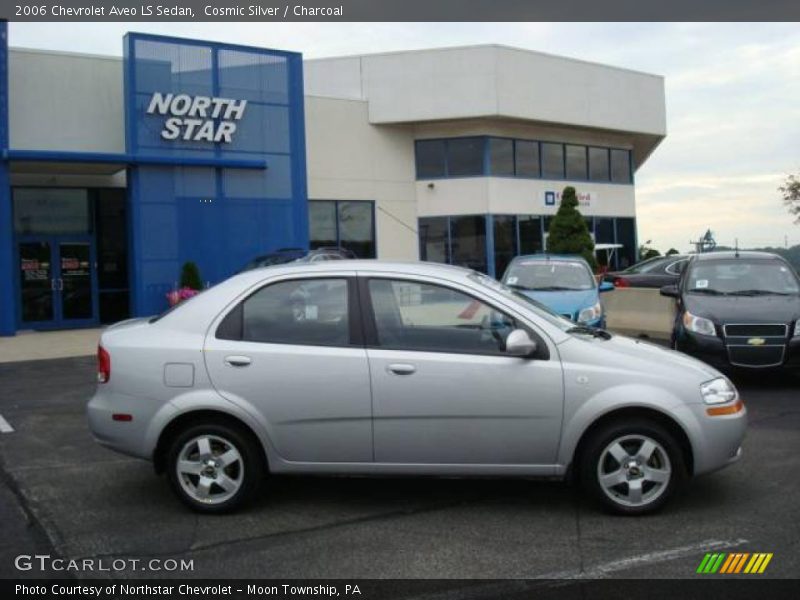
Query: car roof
[(748, 254), (545, 257), (375, 265)]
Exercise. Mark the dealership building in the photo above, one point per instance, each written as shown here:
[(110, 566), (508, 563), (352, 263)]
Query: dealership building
[(115, 171)]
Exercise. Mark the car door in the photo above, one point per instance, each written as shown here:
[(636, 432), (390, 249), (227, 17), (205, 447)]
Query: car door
[(443, 391), (292, 351)]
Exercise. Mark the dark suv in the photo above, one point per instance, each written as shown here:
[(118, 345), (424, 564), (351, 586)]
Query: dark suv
[(739, 309)]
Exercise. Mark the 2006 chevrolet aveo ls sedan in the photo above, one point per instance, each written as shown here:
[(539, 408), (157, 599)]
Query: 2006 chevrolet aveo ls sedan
[(367, 367)]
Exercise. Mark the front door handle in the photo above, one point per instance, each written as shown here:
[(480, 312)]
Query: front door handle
[(238, 361), (401, 369)]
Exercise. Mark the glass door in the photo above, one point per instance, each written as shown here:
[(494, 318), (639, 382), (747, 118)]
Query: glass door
[(57, 282), (37, 282), (74, 288)]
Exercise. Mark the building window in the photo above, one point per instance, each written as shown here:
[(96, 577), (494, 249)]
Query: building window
[(468, 242), (343, 224), (552, 161), (530, 234), (465, 157), (620, 166), (576, 162), (626, 235), (434, 244), (505, 242), (527, 158), (598, 164), (42, 211), (431, 159), (501, 156)]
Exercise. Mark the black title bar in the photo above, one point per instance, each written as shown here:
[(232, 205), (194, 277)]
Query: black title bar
[(401, 10)]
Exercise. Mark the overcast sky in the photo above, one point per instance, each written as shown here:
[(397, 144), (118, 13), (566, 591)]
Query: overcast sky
[(733, 101)]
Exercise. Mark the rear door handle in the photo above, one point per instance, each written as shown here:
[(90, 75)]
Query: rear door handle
[(238, 361), (401, 369)]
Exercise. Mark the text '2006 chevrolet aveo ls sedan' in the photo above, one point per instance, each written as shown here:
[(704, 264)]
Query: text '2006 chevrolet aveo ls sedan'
[(367, 367)]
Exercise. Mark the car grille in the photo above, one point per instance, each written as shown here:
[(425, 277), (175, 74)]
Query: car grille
[(755, 330), (755, 344)]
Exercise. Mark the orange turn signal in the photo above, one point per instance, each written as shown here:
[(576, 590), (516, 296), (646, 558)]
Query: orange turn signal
[(717, 411)]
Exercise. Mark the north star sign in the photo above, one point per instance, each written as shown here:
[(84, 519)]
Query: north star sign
[(197, 118)]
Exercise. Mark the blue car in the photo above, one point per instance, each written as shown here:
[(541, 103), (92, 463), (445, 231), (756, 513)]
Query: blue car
[(565, 284)]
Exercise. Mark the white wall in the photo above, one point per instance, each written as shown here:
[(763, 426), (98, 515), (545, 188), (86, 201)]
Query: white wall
[(349, 159), (65, 102)]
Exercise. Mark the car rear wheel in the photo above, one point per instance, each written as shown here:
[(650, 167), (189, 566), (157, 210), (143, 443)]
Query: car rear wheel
[(214, 467), (632, 467)]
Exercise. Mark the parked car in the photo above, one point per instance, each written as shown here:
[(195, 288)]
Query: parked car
[(405, 369), (738, 309), (565, 284), (287, 255), (651, 273)]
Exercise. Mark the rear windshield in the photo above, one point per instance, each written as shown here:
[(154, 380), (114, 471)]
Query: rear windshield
[(742, 277)]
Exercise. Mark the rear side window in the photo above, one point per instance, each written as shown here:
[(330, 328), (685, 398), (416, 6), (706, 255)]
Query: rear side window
[(313, 312)]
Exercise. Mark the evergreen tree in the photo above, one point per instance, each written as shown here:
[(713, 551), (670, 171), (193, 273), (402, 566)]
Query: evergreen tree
[(568, 233), (190, 276)]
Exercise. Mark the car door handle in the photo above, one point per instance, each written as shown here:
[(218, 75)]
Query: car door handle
[(238, 361), (401, 369)]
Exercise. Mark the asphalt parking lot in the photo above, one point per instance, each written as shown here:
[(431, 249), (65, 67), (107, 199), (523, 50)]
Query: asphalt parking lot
[(62, 494)]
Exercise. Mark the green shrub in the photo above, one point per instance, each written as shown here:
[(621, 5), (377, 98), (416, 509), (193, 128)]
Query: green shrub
[(568, 233), (190, 276)]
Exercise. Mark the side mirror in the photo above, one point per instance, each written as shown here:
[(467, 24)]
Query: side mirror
[(519, 343), (670, 291), (605, 286)]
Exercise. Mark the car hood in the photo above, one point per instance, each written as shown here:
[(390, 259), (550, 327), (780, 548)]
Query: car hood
[(635, 356), (565, 302), (744, 309)]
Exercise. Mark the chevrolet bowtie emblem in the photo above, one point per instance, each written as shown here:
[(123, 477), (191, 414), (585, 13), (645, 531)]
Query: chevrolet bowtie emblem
[(756, 341)]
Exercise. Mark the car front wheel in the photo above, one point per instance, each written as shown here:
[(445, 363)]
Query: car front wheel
[(214, 467), (632, 467)]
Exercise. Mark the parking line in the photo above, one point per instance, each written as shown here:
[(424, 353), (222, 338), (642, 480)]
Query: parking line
[(4, 426)]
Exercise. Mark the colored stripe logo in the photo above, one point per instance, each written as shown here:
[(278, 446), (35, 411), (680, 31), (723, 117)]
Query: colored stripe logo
[(734, 562)]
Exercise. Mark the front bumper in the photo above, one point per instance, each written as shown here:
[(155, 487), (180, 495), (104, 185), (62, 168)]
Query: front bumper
[(714, 351), (716, 440)]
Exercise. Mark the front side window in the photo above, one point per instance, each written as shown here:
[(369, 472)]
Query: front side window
[(419, 316), (303, 312)]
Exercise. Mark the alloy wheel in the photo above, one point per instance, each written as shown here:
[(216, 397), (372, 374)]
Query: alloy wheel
[(210, 469), (634, 470)]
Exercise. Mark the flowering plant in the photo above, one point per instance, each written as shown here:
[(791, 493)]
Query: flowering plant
[(176, 296)]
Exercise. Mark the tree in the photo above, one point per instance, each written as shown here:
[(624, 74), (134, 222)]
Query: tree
[(190, 276), (645, 253), (671, 251), (568, 233), (790, 190)]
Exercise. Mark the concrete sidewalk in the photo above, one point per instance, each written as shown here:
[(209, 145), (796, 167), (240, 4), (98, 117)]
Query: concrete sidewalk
[(40, 345)]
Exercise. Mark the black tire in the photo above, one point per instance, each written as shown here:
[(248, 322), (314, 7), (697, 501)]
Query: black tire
[(594, 450), (251, 457)]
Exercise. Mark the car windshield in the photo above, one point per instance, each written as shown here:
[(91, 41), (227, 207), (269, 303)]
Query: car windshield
[(549, 275), (742, 277), (646, 266), (540, 309)]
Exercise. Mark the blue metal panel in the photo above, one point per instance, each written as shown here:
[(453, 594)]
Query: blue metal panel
[(8, 294), (125, 159), (211, 213)]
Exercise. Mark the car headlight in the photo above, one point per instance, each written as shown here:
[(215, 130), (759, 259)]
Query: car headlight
[(718, 391), (698, 324), (590, 314)]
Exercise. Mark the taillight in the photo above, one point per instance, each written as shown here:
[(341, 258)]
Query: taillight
[(103, 365), (621, 282)]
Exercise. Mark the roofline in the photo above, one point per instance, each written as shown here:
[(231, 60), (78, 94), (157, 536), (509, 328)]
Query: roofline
[(479, 46)]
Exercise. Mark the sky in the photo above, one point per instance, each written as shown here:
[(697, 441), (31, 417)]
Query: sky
[(732, 97)]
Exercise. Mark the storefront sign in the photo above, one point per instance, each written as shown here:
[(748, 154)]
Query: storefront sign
[(197, 118), (585, 199)]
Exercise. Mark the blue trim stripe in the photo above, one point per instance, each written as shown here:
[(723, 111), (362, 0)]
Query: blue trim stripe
[(130, 159)]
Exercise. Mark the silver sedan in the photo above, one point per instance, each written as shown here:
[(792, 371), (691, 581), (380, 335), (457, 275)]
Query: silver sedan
[(370, 367)]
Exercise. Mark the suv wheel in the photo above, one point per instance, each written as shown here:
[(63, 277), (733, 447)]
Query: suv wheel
[(214, 468), (632, 467)]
